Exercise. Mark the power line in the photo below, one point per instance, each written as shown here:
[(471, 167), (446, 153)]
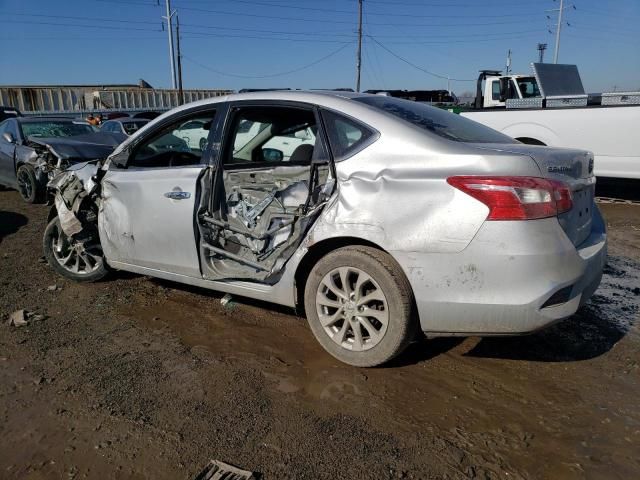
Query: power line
[(271, 75), (380, 14), (447, 4), (333, 21), (437, 75)]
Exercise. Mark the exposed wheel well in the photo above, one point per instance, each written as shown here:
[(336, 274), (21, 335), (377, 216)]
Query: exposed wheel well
[(316, 252), (53, 213), (530, 141)]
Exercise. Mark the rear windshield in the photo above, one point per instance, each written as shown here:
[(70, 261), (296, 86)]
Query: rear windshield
[(445, 124), (132, 127)]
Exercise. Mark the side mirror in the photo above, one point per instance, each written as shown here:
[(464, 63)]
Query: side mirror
[(504, 88), (120, 160), (272, 155), (8, 137)]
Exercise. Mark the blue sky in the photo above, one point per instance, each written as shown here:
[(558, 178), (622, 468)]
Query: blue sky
[(232, 43)]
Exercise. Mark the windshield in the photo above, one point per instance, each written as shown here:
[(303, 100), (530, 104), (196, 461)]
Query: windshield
[(528, 87), (435, 120), (53, 128)]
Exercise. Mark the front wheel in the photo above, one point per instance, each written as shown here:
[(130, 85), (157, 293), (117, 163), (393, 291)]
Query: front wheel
[(79, 261), (359, 305), (28, 184)]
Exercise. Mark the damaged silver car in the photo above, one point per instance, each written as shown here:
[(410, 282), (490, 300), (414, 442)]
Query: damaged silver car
[(389, 217), (34, 149)]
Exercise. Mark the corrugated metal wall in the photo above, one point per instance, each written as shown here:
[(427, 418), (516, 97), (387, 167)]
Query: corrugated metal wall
[(41, 100)]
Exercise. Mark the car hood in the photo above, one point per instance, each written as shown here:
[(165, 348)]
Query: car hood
[(91, 146)]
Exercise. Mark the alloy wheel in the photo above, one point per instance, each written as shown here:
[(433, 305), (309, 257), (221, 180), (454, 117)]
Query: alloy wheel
[(78, 258), (352, 308)]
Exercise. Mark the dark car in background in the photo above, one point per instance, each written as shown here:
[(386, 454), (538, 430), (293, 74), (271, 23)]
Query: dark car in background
[(125, 125), (34, 149), (8, 112)]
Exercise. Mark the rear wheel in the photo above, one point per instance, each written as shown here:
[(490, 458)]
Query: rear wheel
[(28, 184), (360, 306), (79, 261)]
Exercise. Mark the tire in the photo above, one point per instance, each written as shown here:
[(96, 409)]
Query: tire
[(203, 144), (376, 322), (83, 264), (28, 185)]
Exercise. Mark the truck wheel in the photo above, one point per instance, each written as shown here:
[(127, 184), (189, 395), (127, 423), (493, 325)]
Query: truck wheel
[(359, 306), (73, 260), (28, 186)]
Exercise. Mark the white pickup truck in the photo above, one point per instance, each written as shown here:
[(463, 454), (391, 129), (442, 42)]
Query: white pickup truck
[(551, 108)]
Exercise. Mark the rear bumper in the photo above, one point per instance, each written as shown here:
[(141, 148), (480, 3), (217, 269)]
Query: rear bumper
[(502, 283)]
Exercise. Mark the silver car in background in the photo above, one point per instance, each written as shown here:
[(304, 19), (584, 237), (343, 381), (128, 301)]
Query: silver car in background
[(399, 217)]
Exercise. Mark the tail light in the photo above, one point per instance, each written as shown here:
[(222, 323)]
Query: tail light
[(517, 198)]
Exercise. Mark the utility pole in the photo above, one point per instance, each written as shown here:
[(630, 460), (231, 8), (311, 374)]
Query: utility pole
[(541, 48), (359, 57), (508, 66), (558, 28), (172, 61), (180, 94)]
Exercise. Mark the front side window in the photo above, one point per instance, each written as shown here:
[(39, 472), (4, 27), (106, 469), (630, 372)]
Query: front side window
[(436, 121), (273, 135), (169, 148)]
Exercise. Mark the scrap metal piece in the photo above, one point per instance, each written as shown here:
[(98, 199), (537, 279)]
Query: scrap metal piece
[(217, 470), (18, 318)]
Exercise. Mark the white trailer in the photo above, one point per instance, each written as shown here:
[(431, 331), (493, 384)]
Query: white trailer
[(551, 108)]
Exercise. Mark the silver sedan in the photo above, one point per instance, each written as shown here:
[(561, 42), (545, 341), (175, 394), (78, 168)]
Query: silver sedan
[(397, 218)]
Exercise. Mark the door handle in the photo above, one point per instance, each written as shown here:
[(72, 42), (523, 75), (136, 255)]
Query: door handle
[(178, 195)]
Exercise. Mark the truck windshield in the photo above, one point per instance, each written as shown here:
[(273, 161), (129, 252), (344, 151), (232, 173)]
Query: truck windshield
[(528, 87), (435, 120)]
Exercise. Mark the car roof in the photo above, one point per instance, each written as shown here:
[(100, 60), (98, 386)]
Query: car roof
[(49, 119), (319, 97), (129, 120)]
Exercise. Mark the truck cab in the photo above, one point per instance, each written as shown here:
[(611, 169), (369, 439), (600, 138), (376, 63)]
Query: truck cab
[(494, 89)]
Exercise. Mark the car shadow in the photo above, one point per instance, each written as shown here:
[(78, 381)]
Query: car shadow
[(424, 349), (618, 188), (10, 223), (216, 294)]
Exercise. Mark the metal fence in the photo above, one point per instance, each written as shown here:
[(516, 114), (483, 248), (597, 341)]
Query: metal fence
[(67, 100)]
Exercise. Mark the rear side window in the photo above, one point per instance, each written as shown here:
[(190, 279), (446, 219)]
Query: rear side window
[(435, 120), (346, 135)]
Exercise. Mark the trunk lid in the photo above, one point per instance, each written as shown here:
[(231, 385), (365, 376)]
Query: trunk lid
[(572, 166)]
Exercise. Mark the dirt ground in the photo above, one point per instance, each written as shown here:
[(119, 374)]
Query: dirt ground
[(140, 378)]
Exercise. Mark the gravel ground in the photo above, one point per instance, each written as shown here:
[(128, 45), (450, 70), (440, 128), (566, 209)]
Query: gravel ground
[(138, 378)]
